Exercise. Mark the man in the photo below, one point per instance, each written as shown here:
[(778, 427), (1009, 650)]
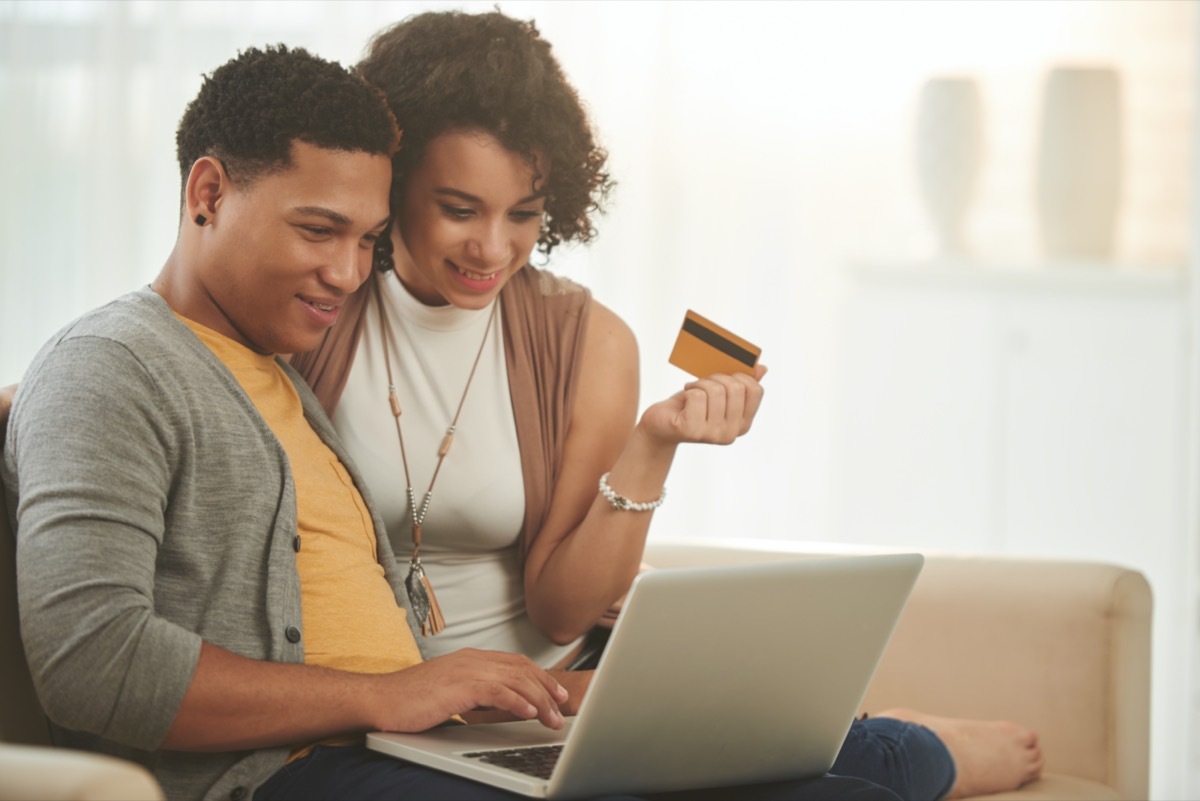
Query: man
[(197, 571), (200, 582)]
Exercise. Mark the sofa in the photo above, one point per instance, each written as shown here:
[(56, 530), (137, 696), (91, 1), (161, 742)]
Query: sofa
[(30, 769), (1062, 646)]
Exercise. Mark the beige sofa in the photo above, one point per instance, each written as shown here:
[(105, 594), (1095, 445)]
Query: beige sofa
[(1061, 646), (29, 768)]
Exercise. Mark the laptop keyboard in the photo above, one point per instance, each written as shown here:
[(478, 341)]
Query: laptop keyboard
[(534, 760)]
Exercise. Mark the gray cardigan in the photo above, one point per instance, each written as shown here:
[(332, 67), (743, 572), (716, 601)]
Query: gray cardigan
[(154, 509)]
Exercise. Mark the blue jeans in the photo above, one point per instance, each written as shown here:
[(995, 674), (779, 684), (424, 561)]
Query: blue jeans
[(354, 772), (906, 758)]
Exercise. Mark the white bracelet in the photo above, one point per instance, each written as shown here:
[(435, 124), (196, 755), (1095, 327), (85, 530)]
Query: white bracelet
[(623, 504)]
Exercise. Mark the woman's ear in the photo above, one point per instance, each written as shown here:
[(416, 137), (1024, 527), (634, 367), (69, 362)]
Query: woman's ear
[(206, 184)]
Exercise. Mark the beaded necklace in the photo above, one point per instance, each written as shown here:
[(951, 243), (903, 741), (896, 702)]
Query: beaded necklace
[(420, 590)]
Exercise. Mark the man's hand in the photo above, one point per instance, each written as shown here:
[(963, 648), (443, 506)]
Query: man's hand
[(427, 694), (576, 683)]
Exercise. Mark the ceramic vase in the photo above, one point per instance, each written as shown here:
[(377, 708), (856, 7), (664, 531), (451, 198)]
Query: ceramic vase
[(1079, 163), (949, 148)]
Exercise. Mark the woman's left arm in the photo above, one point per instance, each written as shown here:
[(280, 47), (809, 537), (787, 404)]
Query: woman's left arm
[(587, 553)]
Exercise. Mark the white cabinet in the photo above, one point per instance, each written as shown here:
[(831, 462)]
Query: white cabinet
[(1019, 410)]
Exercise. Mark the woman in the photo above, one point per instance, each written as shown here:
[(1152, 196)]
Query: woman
[(492, 407)]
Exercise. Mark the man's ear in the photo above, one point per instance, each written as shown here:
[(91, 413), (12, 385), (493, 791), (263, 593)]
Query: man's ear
[(206, 185)]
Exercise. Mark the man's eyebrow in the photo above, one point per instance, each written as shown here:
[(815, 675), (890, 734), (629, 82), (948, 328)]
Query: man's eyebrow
[(458, 193), (335, 217), (321, 211)]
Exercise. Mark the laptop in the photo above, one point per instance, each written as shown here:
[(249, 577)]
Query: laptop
[(713, 677)]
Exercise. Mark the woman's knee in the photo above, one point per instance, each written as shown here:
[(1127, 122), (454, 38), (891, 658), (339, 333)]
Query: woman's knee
[(905, 757)]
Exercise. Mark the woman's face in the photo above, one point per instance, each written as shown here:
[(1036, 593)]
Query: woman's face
[(469, 219)]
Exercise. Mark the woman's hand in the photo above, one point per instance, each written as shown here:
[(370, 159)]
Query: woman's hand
[(717, 410)]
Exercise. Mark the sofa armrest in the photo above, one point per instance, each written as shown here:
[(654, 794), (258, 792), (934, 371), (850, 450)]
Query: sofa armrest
[(1060, 646), (57, 774)]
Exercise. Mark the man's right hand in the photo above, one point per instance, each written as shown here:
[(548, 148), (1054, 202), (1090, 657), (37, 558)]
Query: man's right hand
[(427, 694)]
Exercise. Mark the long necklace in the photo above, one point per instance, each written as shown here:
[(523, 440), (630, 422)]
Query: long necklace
[(420, 590)]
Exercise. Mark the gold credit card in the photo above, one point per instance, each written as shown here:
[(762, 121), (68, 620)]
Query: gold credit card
[(704, 348)]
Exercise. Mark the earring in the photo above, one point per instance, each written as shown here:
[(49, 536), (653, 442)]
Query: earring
[(201, 220)]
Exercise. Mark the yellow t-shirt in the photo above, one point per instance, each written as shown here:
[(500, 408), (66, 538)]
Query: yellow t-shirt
[(350, 617)]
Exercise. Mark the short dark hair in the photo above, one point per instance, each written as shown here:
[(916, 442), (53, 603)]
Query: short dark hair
[(447, 70), (250, 110)]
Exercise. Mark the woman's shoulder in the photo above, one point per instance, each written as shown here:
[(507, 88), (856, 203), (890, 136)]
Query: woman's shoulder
[(574, 300), (546, 284), (608, 330)]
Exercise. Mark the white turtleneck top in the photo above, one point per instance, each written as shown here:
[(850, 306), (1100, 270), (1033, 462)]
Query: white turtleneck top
[(470, 536)]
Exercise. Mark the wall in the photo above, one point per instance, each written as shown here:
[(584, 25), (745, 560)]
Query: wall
[(759, 147)]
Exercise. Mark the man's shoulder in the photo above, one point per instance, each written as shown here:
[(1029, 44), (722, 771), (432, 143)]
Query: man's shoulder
[(131, 347), (139, 324), (137, 318)]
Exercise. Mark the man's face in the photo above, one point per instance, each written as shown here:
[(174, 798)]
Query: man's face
[(285, 252)]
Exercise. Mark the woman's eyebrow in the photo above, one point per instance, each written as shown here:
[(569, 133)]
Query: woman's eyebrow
[(467, 196)]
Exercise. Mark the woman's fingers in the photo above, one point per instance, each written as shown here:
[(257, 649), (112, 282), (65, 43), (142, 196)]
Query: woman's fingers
[(719, 408)]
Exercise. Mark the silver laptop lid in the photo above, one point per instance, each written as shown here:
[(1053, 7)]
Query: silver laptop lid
[(713, 677), (733, 675)]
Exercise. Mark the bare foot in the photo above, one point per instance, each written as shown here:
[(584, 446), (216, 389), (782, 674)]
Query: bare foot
[(991, 756)]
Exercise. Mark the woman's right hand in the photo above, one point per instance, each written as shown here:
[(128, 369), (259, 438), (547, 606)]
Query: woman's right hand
[(717, 410)]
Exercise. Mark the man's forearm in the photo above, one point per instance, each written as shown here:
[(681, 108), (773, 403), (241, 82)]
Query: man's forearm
[(234, 703)]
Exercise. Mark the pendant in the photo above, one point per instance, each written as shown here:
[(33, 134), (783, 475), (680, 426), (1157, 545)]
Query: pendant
[(423, 601)]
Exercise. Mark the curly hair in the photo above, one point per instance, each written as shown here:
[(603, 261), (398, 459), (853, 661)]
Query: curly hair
[(250, 110), (449, 71)]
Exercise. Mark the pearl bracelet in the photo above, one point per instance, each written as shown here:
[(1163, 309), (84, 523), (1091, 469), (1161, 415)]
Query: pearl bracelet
[(622, 504)]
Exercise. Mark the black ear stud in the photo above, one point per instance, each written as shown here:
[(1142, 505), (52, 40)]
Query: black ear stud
[(201, 220)]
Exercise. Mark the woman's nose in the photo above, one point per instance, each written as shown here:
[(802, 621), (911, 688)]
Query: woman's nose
[(491, 247)]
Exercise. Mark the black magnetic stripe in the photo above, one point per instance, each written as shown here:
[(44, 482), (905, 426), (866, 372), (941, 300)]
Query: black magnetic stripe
[(710, 337)]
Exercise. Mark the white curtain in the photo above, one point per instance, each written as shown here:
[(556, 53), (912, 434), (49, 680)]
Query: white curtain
[(759, 149)]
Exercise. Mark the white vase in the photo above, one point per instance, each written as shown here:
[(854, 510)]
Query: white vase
[(949, 148), (1079, 163)]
